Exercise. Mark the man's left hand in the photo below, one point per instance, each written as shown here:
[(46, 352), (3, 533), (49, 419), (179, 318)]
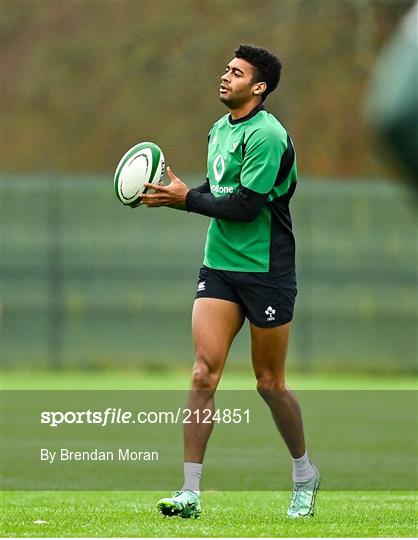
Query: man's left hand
[(174, 194)]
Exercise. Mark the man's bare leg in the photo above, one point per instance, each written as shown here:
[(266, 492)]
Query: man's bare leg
[(269, 347), (215, 323)]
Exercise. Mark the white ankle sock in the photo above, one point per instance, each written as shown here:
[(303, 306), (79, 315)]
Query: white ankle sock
[(192, 474), (303, 469)]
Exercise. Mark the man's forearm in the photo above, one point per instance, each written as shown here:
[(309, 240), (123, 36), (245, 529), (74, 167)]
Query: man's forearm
[(243, 205)]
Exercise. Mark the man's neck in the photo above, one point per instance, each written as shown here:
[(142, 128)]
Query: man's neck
[(240, 112)]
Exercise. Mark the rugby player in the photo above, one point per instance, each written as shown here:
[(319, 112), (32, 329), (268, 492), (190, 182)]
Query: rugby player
[(248, 269)]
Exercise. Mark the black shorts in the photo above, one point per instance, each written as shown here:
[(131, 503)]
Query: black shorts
[(266, 301)]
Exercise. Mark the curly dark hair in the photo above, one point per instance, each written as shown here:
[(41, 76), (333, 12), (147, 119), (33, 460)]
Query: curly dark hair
[(267, 66)]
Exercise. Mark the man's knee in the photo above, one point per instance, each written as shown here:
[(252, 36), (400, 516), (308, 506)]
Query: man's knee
[(269, 383), (204, 375)]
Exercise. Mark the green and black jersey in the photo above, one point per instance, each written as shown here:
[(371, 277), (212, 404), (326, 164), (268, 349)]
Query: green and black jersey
[(250, 180)]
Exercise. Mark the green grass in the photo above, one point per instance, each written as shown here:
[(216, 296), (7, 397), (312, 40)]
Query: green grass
[(227, 514), (180, 379)]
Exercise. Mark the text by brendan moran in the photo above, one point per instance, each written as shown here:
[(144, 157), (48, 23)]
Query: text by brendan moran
[(122, 454)]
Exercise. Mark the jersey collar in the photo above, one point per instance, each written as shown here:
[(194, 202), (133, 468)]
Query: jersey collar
[(260, 107)]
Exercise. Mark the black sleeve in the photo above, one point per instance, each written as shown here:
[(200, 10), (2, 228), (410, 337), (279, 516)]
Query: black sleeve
[(243, 205), (203, 188)]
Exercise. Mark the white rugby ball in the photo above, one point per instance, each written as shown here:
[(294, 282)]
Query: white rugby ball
[(144, 162)]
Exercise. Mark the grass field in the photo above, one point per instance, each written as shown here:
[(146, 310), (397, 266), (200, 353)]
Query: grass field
[(257, 514), (225, 514), (180, 379)]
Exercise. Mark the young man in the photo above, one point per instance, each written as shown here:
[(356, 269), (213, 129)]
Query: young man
[(249, 267)]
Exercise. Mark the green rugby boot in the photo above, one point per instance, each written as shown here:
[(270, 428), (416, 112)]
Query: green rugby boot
[(185, 504), (302, 503)]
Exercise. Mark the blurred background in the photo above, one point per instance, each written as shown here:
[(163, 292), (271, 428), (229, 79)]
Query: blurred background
[(90, 284)]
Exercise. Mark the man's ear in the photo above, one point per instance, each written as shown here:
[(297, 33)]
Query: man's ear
[(259, 88)]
